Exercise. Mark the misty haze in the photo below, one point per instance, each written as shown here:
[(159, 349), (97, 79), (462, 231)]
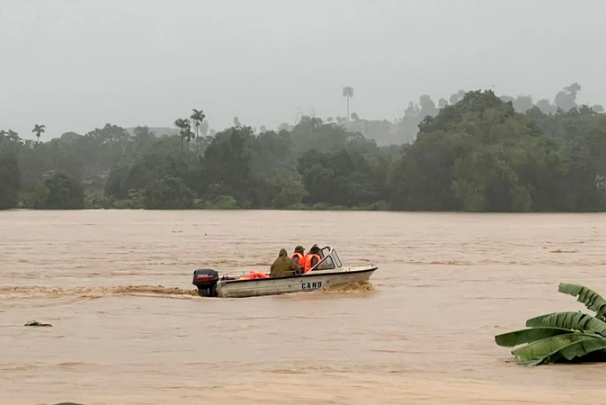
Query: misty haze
[(453, 152)]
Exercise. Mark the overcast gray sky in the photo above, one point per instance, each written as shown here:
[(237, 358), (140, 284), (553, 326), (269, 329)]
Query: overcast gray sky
[(76, 65)]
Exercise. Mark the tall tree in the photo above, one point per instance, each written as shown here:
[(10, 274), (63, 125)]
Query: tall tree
[(197, 117), (38, 129), (185, 129), (187, 133), (348, 92)]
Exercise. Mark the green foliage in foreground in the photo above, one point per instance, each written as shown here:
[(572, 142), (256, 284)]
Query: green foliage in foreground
[(562, 336)]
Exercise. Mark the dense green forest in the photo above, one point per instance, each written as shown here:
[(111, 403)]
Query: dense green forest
[(475, 152)]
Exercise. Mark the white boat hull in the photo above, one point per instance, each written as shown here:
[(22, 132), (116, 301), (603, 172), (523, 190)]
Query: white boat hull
[(293, 284)]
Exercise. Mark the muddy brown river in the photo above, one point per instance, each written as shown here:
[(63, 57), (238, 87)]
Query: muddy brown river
[(128, 327)]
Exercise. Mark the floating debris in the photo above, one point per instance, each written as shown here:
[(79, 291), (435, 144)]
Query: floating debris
[(68, 403), (36, 323)]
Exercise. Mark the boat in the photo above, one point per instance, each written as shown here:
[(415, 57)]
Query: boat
[(328, 272)]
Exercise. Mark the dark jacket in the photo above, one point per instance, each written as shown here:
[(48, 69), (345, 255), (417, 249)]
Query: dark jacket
[(283, 266)]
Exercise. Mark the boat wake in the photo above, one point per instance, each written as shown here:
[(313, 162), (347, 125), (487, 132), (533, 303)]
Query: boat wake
[(35, 292), (348, 288), (95, 292)]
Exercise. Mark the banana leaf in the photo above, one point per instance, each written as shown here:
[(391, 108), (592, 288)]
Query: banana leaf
[(518, 337), (569, 320), (537, 321), (544, 348), (538, 362), (582, 348), (590, 298)]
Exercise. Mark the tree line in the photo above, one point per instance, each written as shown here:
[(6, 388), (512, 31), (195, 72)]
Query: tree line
[(478, 153)]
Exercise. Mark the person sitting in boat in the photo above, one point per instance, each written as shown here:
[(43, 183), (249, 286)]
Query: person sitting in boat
[(283, 266), (299, 258), (312, 258)]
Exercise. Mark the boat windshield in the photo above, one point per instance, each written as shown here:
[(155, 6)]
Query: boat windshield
[(336, 259), (330, 260)]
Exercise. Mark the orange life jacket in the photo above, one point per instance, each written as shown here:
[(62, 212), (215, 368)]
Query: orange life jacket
[(253, 275), (308, 261), (301, 259)]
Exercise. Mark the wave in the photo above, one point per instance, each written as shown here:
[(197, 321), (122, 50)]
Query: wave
[(95, 292), (348, 288)]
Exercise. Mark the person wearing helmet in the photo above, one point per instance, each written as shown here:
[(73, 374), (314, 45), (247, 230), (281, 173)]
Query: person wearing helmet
[(299, 258), (312, 258)]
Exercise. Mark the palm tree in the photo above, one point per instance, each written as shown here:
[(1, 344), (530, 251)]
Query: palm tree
[(185, 127), (188, 133), (197, 117), (562, 336), (348, 92), (38, 129), (12, 136)]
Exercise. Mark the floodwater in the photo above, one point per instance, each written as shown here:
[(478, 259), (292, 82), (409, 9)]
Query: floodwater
[(128, 327)]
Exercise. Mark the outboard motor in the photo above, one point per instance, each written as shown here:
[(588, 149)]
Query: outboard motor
[(206, 281)]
